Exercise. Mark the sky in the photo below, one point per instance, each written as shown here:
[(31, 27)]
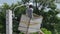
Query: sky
[(58, 5), (8, 1), (15, 1)]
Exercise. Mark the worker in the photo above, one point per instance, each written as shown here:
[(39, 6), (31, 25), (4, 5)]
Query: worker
[(29, 11)]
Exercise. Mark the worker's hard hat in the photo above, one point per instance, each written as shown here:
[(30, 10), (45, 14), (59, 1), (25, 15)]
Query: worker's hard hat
[(30, 3)]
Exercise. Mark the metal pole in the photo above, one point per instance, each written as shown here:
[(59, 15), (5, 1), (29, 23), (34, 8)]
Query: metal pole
[(9, 22)]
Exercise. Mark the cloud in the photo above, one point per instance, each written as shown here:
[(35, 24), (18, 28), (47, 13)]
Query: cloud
[(1, 4), (58, 5)]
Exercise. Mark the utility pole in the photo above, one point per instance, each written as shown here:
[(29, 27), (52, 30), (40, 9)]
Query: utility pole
[(9, 22)]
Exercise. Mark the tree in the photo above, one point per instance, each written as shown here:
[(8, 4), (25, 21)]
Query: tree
[(3, 18)]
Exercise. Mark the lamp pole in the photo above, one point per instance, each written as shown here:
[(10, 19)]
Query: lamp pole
[(9, 22)]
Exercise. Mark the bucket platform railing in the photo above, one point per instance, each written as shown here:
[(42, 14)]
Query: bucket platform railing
[(28, 25)]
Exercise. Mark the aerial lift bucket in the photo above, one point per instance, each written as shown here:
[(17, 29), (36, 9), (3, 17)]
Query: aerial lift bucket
[(33, 26)]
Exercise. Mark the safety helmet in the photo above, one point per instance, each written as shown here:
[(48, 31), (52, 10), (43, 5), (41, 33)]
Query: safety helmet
[(31, 3)]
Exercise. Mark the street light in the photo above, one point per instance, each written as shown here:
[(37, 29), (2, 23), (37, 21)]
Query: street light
[(9, 20), (15, 9), (21, 6)]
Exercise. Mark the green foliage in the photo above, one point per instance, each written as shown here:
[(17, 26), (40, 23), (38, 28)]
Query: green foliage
[(21, 33), (5, 6), (45, 31), (24, 1), (2, 21), (30, 33)]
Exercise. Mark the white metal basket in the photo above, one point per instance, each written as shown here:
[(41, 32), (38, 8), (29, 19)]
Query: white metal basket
[(35, 24)]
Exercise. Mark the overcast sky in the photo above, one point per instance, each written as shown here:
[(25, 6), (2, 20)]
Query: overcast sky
[(8, 1), (15, 1)]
